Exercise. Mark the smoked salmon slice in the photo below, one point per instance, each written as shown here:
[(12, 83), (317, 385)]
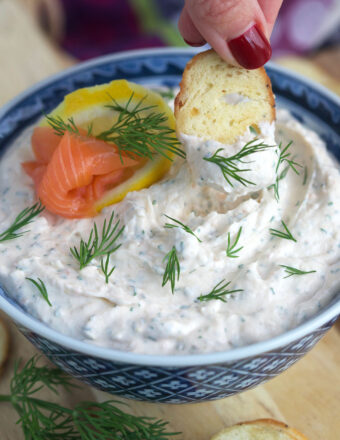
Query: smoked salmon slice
[(71, 172), (44, 143)]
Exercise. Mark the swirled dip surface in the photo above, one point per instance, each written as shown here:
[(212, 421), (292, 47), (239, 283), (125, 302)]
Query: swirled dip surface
[(133, 312)]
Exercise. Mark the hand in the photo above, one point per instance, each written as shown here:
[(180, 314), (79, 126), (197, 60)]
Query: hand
[(238, 30)]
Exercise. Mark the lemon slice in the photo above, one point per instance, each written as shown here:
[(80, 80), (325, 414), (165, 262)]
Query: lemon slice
[(87, 107)]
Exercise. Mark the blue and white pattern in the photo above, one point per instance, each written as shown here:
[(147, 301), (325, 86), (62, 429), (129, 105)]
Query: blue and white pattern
[(193, 382), (177, 385)]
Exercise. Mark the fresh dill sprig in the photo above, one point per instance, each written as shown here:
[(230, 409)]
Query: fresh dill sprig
[(40, 419), (105, 267), (229, 165), (181, 226), (252, 130), (40, 285), (24, 218), (285, 157), (219, 292), (60, 126), (287, 235), (293, 271), (172, 268), (231, 251), (275, 185), (305, 176), (97, 246), (141, 134), (133, 132)]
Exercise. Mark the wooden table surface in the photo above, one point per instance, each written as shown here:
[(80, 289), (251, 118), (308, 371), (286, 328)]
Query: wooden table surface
[(307, 396)]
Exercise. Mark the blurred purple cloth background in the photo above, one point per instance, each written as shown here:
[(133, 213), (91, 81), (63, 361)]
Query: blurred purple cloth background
[(98, 27)]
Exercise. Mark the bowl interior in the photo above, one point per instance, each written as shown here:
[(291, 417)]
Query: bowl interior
[(313, 105)]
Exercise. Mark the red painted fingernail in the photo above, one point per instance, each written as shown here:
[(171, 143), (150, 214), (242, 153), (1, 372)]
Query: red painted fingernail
[(201, 43), (251, 49)]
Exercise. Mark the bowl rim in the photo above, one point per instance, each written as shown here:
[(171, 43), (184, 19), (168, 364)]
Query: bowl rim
[(187, 360)]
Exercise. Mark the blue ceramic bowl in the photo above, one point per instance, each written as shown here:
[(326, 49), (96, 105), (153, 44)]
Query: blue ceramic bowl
[(170, 379)]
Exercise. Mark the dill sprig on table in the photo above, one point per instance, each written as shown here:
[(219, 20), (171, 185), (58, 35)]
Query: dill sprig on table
[(138, 130), (172, 269), (287, 235), (105, 267), (230, 165), (24, 218), (231, 251), (219, 292), (293, 271), (42, 420), (40, 285), (181, 226), (97, 246)]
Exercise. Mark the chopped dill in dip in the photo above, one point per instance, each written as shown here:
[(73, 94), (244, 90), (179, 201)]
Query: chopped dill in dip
[(246, 241)]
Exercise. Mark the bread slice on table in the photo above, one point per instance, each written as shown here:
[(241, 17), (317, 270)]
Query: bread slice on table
[(219, 101), (261, 429), (4, 341)]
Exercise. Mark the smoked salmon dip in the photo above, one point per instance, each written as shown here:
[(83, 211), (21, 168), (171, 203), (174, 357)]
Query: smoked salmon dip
[(253, 261)]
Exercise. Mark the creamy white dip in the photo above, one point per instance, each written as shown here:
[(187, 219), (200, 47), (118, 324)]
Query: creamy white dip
[(133, 312), (261, 166)]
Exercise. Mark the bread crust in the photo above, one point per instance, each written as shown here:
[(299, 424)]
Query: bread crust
[(291, 433), (296, 435), (184, 91)]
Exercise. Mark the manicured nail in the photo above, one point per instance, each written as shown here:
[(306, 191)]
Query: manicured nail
[(251, 49), (201, 43)]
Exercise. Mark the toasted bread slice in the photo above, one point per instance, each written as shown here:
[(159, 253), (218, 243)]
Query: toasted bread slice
[(261, 429), (219, 101), (4, 342)]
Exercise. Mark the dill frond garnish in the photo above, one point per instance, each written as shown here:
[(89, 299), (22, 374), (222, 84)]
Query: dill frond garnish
[(275, 185), (60, 126), (285, 157), (105, 267), (293, 271), (305, 176), (219, 292), (133, 132), (40, 285), (252, 130), (181, 226), (287, 235), (230, 165), (24, 218), (40, 419), (172, 268), (231, 251), (97, 246), (143, 135)]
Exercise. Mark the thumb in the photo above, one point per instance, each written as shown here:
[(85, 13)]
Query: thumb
[(236, 29)]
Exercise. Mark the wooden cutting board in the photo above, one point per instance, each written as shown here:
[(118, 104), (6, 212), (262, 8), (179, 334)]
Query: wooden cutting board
[(307, 396)]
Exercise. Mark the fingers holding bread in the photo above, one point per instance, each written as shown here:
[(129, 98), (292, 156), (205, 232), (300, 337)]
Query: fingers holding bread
[(261, 429)]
